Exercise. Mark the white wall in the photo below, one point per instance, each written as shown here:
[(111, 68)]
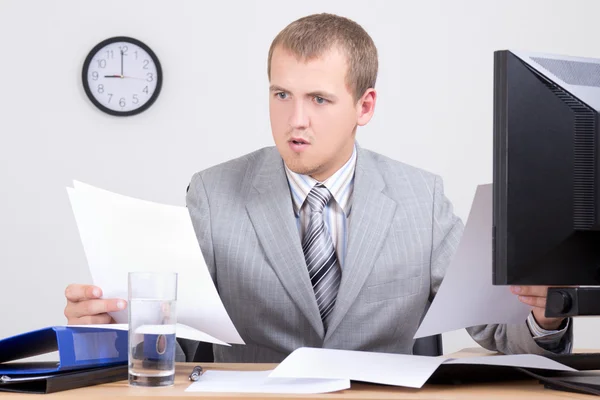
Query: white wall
[(434, 110)]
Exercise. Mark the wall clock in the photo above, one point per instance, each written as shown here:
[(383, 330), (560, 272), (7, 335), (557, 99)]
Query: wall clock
[(122, 76)]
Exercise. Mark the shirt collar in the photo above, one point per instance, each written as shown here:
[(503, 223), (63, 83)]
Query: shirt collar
[(340, 184)]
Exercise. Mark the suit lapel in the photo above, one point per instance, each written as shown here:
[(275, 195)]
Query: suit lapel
[(271, 212), (369, 220)]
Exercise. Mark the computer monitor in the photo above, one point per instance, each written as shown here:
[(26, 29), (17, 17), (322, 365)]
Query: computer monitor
[(546, 183)]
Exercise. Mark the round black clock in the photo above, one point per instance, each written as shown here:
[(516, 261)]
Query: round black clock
[(122, 76)]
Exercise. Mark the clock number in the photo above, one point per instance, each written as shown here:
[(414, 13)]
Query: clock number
[(122, 102), (150, 77), (146, 62), (110, 54), (135, 99), (95, 75), (123, 49), (100, 88), (101, 63), (135, 52), (145, 90), (110, 97)]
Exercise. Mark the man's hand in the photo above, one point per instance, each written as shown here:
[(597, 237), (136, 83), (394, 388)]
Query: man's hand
[(535, 296), (84, 305)]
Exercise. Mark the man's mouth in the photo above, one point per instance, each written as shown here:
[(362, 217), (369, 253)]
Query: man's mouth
[(298, 141)]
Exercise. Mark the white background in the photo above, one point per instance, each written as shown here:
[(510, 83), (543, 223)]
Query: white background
[(434, 110)]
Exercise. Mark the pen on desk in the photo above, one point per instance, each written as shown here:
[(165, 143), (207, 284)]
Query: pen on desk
[(196, 372)]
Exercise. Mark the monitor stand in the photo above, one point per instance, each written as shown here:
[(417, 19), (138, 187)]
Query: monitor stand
[(573, 301)]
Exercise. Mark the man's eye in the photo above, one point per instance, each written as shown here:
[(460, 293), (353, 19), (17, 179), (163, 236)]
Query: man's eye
[(320, 100), (282, 95)]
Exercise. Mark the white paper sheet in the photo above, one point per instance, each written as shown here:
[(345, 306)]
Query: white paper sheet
[(259, 382), (382, 368), (390, 369), (122, 234), (466, 296), (181, 331)]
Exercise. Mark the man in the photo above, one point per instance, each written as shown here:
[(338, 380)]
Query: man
[(317, 241)]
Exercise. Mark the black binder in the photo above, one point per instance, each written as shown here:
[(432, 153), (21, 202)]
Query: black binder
[(585, 380), (50, 383)]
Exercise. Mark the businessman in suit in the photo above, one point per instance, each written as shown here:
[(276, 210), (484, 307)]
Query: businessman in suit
[(320, 242)]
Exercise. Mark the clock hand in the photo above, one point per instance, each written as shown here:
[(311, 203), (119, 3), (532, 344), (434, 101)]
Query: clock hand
[(121, 63), (123, 77)]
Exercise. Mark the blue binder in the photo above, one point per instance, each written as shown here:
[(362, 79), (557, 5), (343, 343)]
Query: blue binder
[(78, 348)]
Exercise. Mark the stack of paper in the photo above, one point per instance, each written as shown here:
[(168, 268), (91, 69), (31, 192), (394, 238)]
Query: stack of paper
[(122, 234), (390, 369)]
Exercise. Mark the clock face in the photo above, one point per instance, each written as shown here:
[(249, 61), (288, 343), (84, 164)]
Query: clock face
[(122, 76)]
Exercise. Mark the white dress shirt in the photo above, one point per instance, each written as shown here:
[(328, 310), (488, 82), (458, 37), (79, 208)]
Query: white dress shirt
[(336, 212)]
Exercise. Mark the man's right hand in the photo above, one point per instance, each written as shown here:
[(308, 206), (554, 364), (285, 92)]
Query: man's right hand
[(84, 305)]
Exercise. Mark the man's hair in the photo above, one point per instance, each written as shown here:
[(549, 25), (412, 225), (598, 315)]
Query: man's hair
[(311, 36)]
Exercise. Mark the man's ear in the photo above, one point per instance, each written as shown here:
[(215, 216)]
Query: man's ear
[(365, 107)]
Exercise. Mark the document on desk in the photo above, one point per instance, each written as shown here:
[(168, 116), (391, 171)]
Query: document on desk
[(466, 296), (389, 369), (260, 382), (121, 234), (383, 368)]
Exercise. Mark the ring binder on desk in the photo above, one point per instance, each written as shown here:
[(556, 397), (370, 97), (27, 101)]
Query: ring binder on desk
[(78, 348)]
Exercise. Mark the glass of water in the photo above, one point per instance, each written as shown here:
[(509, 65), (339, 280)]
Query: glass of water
[(152, 320)]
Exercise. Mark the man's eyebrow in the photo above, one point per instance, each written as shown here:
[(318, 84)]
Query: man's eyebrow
[(275, 88), (320, 93)]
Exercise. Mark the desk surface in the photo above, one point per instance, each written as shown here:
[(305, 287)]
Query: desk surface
[(529, 389)]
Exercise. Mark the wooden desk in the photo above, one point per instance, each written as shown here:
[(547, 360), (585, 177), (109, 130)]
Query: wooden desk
[(530, 389)]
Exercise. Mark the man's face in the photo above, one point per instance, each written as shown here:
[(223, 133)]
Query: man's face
[(313, 113)]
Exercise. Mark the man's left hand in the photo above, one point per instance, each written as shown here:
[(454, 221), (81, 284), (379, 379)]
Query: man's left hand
[(535, 296)]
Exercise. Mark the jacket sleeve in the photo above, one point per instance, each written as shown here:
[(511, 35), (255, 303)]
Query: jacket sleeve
[(199, 208)]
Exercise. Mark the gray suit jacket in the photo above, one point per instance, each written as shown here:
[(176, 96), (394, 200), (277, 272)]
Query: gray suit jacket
[(402, 235)]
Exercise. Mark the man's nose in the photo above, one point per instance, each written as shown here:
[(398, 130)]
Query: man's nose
[(299, 117)]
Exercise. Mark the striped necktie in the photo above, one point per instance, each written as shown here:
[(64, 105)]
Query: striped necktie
[(323, 267)]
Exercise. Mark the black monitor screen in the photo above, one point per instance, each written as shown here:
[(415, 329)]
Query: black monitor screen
[(546, 219)]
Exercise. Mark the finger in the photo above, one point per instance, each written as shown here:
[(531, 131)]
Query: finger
[(76, 292), (539, 291), (91, 319), (533, 301), (94, 307)]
